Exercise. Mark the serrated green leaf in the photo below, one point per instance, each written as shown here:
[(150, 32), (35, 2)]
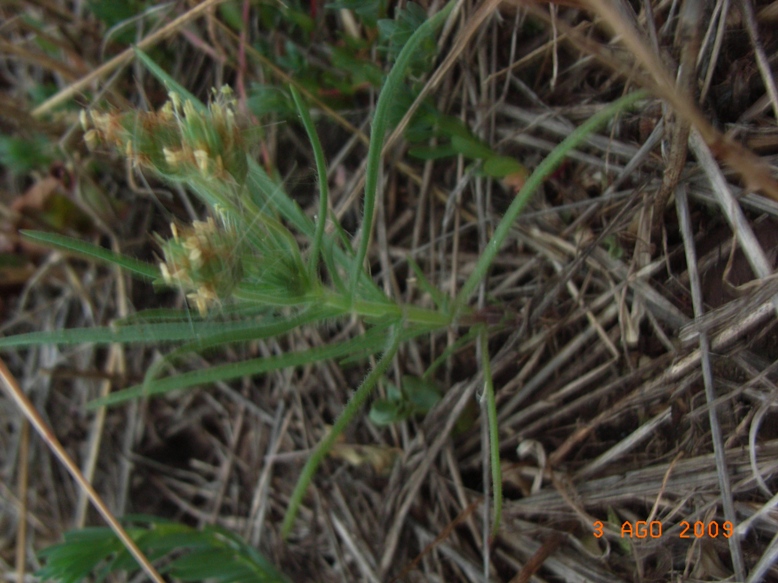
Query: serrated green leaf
[(299, 18), (204, 564), (369, 10), (451, 126), (395, 33), (210, 553)]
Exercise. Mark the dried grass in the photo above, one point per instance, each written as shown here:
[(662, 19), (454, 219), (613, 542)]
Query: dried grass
[(629, 388)]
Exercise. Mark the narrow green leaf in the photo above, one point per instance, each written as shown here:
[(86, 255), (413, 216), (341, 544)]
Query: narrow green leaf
[(90, 251), (205, 333), (432, 152), (321, 169), (270, 327), (353, 407), (440, 299), (170, 83), (380, 122), (544, 169), (494, 432), (230, 371)]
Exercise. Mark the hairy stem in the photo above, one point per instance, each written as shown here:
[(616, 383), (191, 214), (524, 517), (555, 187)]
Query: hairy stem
[(353, 407), (380, 121), (321, 169)]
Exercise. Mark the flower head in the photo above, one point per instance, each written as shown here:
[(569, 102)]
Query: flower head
[(203, 260), (181, 140)]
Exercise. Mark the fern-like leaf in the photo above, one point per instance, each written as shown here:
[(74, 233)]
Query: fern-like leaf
[(210, 553)]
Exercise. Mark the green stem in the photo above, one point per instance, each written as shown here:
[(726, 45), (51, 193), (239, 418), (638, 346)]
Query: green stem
[(383, 310), (321, 169), (549, 164), (380, 121), (352, 409), (494, 434)]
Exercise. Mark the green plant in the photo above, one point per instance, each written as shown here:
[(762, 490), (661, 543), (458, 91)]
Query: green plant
[(416, 396), (244, 270), (189, 554), (22, 155)]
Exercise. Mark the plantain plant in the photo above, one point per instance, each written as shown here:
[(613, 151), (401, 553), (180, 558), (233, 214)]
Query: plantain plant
[(243, 269)]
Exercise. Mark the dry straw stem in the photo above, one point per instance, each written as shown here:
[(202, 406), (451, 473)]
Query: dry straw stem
[(749, 19), (693, 474), (23, 483), (28, 409), (736, 551), (122, 58)]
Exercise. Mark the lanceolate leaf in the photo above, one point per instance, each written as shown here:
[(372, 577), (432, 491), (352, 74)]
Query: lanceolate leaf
[(139, 268), (229, 371), (204, 333)]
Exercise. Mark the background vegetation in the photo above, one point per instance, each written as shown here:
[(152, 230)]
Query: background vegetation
[(629, 315)]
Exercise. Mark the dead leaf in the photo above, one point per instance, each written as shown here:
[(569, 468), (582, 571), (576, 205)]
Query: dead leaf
[(381, 458), (35, 197)]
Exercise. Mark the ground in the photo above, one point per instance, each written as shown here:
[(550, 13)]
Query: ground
[(628, 316)]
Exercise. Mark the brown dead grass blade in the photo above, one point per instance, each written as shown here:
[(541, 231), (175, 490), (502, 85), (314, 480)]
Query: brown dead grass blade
[(16, 393)]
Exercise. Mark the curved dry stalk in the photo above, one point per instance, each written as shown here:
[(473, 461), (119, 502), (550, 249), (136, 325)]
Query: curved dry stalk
[(28, 409)]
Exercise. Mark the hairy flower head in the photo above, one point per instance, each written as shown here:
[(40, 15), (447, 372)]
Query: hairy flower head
[(182, 140), (203, 260)]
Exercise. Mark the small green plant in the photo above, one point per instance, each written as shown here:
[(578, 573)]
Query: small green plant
[(248, 277), (416, 396), (22, 155), (188, 554)]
